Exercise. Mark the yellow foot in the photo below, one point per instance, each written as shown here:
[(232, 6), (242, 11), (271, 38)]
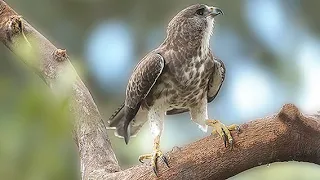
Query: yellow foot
[(223, 130), (154, 158)]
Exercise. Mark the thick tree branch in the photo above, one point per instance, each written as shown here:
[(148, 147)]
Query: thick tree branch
[(288, 135), (95, 149)]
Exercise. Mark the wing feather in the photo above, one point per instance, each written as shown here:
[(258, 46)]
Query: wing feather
[(142, 80), (216, 79), (176, 111)]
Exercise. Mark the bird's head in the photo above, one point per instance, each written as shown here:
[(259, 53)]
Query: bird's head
[(194, 23)]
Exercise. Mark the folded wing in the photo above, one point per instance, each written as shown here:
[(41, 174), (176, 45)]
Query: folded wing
[(141, 82)]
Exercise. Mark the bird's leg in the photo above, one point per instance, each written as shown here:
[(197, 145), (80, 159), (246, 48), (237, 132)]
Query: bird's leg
[(223, 130), (155, 155), (156, 117)]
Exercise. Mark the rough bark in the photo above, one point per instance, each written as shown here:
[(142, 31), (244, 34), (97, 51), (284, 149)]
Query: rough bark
[(288, 135), (95, 151)]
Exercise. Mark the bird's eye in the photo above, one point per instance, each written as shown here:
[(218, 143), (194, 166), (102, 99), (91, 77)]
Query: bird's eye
[(200, 11)]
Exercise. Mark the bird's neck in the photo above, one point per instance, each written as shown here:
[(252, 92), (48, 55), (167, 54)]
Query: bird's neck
[(207, 35), (188, 44)]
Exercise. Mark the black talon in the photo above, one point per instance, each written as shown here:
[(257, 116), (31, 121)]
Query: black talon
[(231, 144), (155, 170), (224, 138), (238, 129), (165, 160), (140, 160)]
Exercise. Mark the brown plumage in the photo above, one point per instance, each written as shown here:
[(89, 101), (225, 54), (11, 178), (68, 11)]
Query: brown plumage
[(174, 78), (180, 75)]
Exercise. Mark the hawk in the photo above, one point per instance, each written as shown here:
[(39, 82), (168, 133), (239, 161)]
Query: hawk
[(180, 75)]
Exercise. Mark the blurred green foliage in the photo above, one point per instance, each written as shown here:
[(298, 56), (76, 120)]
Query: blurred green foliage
[(35, 132)]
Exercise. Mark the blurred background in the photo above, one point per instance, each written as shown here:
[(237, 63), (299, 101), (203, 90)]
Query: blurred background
[(271, 50)]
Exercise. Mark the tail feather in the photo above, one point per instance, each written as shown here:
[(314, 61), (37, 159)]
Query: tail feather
[(116, 117), (123, 129), (120, 120)]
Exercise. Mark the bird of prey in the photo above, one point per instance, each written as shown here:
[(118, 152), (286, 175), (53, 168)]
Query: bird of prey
[(180, 75)]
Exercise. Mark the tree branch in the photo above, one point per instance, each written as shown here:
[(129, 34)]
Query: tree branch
[(288, 135), (90, 134)]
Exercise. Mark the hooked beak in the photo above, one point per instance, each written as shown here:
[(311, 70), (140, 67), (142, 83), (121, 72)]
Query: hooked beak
[(214, 11)]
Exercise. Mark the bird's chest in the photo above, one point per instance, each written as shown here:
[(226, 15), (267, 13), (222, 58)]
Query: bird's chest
[(183, 84)]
